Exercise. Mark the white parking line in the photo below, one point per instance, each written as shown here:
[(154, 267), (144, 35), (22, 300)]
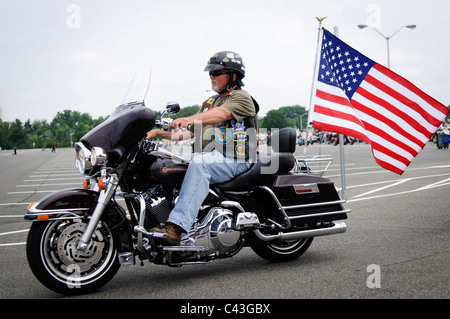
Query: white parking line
[(437, 184), (54, 175), (32, 192), (14, 232), (384, 187), (51, 179), (12, 244), (42, 185), (11, 216), (426, 187)]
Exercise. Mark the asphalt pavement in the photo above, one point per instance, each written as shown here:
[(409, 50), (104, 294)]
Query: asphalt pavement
[(396, 245)]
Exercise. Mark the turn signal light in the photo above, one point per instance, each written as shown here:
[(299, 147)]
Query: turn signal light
[(100, 183), (42, 217)]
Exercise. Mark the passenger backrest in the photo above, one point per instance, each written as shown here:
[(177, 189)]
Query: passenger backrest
[(284, 140)]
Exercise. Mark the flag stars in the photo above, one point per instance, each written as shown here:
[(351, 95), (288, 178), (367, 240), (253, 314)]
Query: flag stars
[(335, 90), (341, 66)]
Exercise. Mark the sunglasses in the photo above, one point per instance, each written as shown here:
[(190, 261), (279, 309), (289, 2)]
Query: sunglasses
[(217, 73)]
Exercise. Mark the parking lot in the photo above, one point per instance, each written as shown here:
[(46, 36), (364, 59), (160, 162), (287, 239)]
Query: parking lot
[(396, 246)]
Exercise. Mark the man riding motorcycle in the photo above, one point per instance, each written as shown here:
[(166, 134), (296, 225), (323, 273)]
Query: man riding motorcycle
[(228, 130)]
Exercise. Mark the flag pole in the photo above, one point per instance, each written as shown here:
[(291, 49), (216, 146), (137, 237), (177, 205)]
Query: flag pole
[(341, 149), (309, 124)]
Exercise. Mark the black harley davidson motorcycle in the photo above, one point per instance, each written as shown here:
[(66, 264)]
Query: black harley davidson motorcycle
[(79, 238)]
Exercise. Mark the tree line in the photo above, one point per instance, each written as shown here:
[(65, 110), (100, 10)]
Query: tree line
[(286, 116), (67, 127)]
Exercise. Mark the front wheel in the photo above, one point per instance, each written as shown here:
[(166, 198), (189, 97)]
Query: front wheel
[(281, 251), (55, 261)]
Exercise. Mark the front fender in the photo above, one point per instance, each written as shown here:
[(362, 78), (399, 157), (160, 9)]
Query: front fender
[(80, 203), (71, 203)]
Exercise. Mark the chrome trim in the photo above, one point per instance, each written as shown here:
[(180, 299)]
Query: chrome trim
[(320, 214), (165, 153), (315, 204), (126, 258), (231, 204), (247, 220), (184, 248), (281, 208), (98, 156), (102, 201), (288, 218), (151, 234), (338, 228), (32, 215), (82, 158), (316, 160)]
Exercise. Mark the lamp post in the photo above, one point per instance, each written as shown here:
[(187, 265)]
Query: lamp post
[(301, 121), (411, 26)]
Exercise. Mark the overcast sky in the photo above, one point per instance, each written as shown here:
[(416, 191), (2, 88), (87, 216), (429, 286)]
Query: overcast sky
[(81, 55)]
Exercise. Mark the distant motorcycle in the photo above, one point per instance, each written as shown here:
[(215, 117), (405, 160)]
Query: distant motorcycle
[(80, 237), (333, 139)]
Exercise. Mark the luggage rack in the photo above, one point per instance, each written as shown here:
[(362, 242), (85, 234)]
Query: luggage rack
[(312, 164)]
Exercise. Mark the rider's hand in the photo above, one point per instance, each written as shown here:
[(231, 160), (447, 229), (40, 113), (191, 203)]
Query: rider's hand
[(182, 122), (151, 134)]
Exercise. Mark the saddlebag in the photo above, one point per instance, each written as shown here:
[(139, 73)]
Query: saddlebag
[(306, 198)]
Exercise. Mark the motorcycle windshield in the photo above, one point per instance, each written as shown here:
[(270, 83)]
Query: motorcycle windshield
[(138, 88), (127, 125)]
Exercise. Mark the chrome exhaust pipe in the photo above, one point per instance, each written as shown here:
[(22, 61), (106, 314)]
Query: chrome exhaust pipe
[(338, 228)]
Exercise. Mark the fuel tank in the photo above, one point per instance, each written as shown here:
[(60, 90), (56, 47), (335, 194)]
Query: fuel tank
[(167, 171)]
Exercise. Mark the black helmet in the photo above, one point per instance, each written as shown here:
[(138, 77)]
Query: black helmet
[(227, 60)]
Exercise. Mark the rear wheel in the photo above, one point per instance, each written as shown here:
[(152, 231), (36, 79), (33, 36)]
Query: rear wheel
[(281, 251), (57, 263)]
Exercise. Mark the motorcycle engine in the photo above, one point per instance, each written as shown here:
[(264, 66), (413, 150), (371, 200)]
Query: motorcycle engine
[(158, 207), (215, 232)]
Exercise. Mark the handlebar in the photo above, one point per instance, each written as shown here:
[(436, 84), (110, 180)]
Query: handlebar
[(166, 124)]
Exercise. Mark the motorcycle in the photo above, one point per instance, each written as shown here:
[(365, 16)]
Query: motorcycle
[(79, 238)]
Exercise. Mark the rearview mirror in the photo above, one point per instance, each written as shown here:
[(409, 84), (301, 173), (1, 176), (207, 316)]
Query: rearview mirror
[(173, 108)]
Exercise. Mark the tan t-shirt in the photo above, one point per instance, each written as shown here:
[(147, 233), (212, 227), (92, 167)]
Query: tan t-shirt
[(238, 102)]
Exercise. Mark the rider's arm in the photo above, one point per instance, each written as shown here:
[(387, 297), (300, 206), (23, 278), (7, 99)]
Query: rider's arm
[(175, 135), (213, 116)]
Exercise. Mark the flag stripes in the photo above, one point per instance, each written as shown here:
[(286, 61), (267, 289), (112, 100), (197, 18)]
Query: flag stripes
[(358, 97)]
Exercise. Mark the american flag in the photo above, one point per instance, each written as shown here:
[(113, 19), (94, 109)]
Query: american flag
[(355, 96)]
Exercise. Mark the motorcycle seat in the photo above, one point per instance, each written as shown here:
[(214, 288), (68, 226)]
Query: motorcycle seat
[(280, 161), (275, 163)]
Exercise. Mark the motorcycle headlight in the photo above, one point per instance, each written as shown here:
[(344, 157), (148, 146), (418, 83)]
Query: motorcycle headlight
[(82, 158), (98, 156)]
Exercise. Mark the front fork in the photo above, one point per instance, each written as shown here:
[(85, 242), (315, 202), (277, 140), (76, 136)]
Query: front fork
[(103, 200)]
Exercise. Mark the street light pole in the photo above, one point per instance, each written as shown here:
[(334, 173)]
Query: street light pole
[(411, 26)]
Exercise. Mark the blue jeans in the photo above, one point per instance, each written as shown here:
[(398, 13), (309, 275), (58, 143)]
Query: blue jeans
[(204, 169)]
